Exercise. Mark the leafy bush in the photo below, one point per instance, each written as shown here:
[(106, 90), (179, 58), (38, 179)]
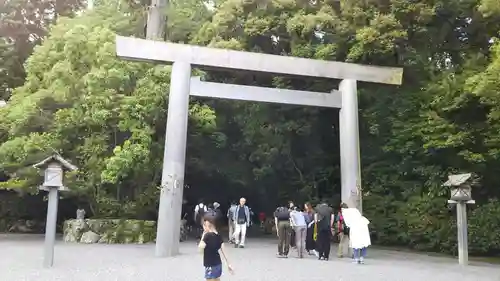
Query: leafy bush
[(484, 223)]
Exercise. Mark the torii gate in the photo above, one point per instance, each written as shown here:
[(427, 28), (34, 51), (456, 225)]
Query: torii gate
[(182, 85)]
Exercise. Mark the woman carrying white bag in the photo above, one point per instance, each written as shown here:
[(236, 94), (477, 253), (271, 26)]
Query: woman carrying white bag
[(359, 234)]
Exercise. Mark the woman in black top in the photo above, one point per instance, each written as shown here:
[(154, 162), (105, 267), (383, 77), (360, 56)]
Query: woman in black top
[(309, 216), (211, 243), (324, 223)]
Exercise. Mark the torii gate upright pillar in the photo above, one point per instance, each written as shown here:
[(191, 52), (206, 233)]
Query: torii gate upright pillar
[(174, 159), (350, 166)]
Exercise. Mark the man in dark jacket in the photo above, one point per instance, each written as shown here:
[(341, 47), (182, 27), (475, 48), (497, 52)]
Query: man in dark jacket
[(241, 217)]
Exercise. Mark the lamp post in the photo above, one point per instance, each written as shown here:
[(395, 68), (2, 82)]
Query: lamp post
[(461, 194), (54, 167)]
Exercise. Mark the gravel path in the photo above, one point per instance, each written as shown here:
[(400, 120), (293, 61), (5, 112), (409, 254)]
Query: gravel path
[(22, 260)]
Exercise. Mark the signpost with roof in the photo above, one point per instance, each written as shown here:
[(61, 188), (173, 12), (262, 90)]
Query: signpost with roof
[(461, 194), (54, 168), (184, 57)]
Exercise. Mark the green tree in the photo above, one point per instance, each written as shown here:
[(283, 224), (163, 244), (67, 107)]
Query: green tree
[(23, 25), (105, 114), (108, 115)]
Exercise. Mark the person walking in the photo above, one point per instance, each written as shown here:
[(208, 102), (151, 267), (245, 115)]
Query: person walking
[(230, 221), (241, 217), (324, 218), (252, 215), (211, 244), (283, 229), (218, 215), (343, 233), (359, 234), (291, 207), (300, 228), (309, 217), (262, 220), (199, 213)]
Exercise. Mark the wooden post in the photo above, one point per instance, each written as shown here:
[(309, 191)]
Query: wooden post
[(461, 195), (54, 167), (50, 227), (463, 247)]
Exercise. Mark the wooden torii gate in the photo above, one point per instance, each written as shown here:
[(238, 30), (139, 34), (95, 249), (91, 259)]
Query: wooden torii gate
[(182, 85)]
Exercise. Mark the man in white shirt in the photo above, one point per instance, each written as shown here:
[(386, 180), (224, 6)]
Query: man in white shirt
[(199, 212), (241, 217), (299, 225)]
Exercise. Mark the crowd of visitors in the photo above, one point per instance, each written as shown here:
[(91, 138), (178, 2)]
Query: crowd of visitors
[(307, 231)]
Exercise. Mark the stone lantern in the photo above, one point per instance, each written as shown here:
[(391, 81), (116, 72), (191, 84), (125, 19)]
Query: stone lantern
[(54, 168), (460, 195)]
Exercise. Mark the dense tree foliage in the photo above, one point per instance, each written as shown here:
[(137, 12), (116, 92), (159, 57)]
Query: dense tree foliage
[(108, 116), (24, 24)]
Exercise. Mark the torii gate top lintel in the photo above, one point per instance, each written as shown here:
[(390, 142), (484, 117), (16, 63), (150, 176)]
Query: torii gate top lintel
[(212, 58)]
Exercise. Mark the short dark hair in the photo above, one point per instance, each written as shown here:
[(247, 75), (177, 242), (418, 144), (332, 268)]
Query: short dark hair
[(343, 205), (210, 217)]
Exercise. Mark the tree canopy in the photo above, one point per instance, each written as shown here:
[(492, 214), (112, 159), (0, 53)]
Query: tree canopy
[(108, 116)]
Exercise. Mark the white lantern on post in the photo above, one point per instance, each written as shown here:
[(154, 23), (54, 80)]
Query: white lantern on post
[(54, 168), (461, 194), (53, 175)]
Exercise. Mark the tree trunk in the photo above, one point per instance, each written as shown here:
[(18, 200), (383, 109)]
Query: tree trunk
[(155, 28)]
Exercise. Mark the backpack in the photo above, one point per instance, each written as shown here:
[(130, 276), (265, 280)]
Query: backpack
[(282, 213), (212, 213), (199, 212)]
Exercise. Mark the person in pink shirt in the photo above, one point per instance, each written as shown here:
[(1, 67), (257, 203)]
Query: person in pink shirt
[(343, 233)]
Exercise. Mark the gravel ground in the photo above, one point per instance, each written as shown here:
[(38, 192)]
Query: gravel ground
[(22, 260)]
